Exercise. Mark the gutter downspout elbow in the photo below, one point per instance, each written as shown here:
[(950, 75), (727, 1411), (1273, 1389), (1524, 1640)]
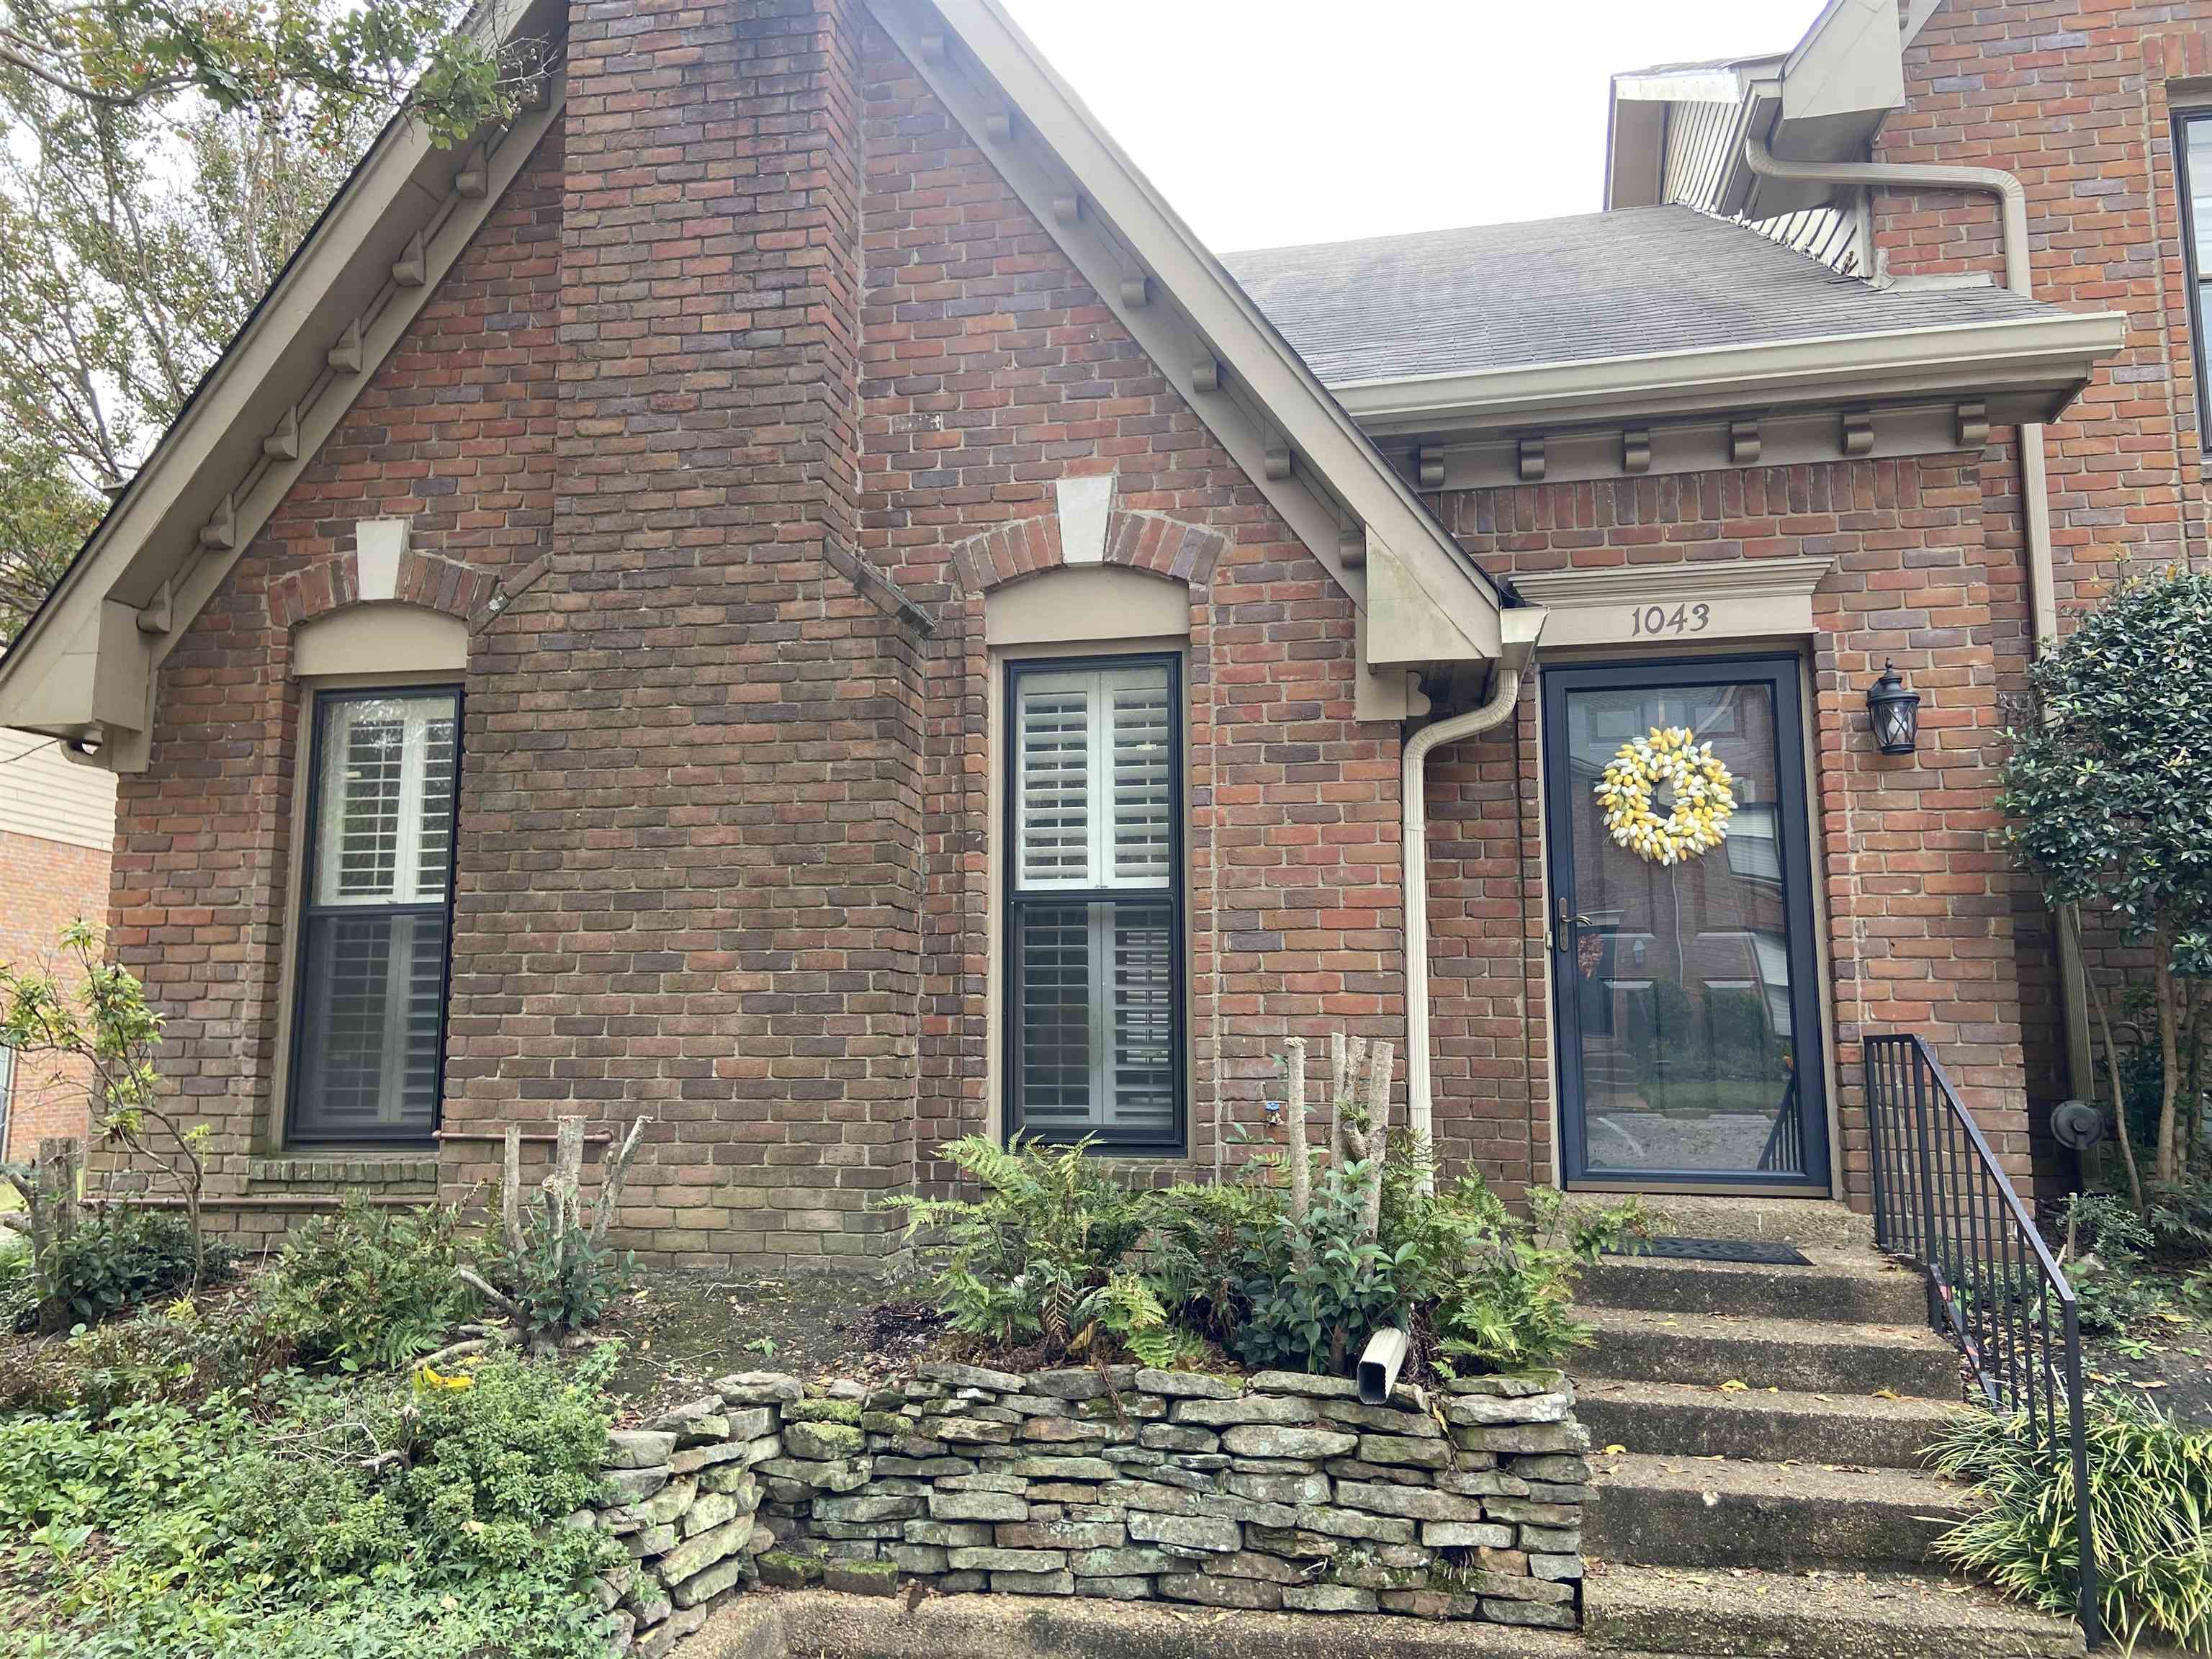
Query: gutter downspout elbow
[(2034, 487), (1524, 628)]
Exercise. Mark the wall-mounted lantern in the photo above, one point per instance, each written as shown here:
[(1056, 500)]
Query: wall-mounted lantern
[(1896, 711)]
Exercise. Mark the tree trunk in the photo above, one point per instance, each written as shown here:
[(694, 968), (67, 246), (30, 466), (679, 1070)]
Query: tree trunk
[(2169, 1049), (2120, 1130)]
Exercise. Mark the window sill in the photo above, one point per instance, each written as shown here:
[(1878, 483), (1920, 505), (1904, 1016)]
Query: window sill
[(338, 1169)]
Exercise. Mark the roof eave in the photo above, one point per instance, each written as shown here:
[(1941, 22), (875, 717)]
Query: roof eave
[(1225, 321), (84, 665), (2029, 367)]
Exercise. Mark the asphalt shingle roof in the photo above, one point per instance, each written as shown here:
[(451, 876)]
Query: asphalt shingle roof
[(1628, 283)]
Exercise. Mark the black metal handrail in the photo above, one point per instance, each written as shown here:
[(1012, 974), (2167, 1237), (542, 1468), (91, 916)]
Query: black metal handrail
[(1942, 1201)]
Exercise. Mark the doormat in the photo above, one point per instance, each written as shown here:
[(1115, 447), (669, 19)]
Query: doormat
[(1765, 1252)]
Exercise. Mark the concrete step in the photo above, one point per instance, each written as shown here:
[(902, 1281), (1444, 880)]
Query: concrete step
[(1802, 1355), (1765, 1615), (1673, 1419), (1804, 1222), (1690, 1512), (1851, 1285)]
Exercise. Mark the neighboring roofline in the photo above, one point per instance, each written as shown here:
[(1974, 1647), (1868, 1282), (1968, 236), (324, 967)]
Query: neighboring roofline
[(2044, 361), (1824, 99), (1254, 353)]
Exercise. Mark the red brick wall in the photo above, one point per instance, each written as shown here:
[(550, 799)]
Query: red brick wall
[(991, 369), (46, 885), (2076, 100), (454, 431), (1918, 897)]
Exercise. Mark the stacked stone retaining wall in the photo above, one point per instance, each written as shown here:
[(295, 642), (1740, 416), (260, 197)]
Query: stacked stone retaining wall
[(1281, 1491)]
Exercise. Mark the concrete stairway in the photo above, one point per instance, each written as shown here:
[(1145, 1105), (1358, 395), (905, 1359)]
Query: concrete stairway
[(1788, 1517)]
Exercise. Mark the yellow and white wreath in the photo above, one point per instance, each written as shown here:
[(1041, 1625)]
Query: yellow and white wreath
[(1667, 798)]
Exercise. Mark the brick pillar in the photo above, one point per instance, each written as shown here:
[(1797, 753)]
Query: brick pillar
[(693, 891)]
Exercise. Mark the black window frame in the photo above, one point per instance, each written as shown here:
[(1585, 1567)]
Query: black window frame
[(1014, 902), (325, 699), (2200, 346)]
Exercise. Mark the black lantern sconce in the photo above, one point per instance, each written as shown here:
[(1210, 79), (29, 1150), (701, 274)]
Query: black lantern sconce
[(1896, 711)]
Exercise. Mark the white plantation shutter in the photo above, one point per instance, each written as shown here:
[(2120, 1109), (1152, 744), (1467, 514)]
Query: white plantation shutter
[(1138, 752), (372, 980), (1053, 731), (1093, 989)]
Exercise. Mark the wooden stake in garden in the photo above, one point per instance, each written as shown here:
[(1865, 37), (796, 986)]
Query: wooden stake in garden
[(1359, 1120)]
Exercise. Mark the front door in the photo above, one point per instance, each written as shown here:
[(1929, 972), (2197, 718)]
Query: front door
[(1683, 969)]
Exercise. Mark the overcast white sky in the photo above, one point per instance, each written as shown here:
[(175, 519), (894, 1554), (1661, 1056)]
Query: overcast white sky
[(1267, 122)]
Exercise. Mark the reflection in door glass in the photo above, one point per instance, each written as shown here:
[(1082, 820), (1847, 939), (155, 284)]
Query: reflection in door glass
[(1680, 973)]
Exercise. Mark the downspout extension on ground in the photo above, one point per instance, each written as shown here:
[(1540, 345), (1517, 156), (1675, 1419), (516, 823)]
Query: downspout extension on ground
[(1523, 628), (2035, 491)]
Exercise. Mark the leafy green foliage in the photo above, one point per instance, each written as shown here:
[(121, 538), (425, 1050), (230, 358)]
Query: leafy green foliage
[(2150, 1496), (2103, 805), (369, 1285), (1057, 1259), (96, 1013), (2106, 1244), (561, 1280), (117, 1258), (1051, 1229), (379, 1519), (176, 1353), (1511, 1308), (1312, 1293), (45, 513)]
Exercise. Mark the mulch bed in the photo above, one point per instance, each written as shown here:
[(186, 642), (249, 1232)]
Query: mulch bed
[(685, 1328)]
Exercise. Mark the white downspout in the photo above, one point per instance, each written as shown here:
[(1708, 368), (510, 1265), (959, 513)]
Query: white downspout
[(1523, 628), (2034, 490)]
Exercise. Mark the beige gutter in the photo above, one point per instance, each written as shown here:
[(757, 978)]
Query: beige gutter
[(1522, 629), (2041, 362), (2035, 491)]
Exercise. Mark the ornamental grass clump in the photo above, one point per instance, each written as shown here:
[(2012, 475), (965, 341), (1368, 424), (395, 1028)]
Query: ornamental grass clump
[(2150, 1506)]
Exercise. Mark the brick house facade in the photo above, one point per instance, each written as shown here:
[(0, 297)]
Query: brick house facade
[(55, 823), (775, 431)]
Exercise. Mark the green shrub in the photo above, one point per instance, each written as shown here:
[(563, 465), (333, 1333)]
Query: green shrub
[(1511, 1306), (381, 1519), (1028, 1260), (2105, 1243), (116, 1257), (176, 1354), (19, 1294), (1057, 1259), (1312, 1293), (559, 1282), (2150, 1486), (369, 1285), (501, 1450)]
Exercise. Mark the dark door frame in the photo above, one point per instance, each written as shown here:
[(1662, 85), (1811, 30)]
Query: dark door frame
[(1792, 834)]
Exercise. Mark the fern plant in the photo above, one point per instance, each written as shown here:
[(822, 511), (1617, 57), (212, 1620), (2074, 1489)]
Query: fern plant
[(1031, 1261)]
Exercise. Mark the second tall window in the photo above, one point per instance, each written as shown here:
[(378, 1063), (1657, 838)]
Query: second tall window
[(1094, 934)]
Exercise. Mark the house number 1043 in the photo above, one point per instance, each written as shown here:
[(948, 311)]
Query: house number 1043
[(1658, 619)]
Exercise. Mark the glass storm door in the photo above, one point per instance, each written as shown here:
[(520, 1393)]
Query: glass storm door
[(1684, 994)]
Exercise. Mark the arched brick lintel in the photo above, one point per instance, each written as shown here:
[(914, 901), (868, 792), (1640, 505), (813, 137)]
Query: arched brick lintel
[(1141, 541), (425, 578)]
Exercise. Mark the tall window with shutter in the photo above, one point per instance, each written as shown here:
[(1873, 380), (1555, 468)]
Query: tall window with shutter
[(376, 917), (1094, 902)]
